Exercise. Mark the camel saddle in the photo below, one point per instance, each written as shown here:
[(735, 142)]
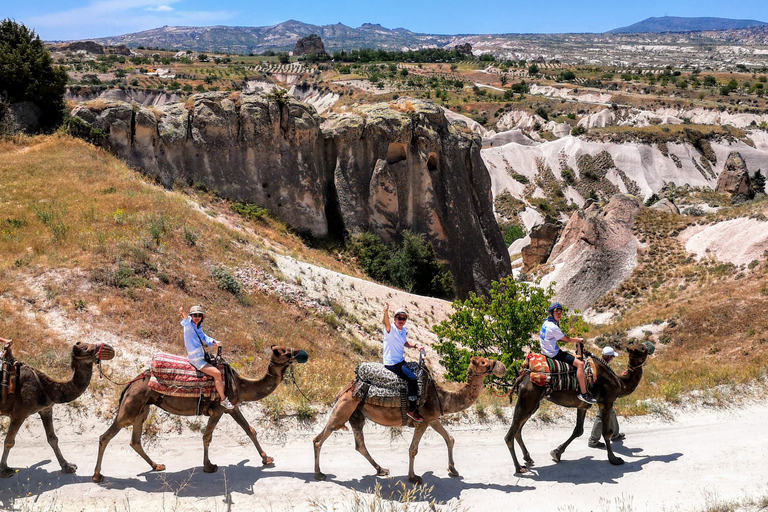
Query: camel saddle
[(9, 373), (173, 375), (378, 386), (556, 375)]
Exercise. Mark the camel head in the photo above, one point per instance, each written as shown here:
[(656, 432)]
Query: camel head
[(483, 366), (639, 352), (282, 356), (95, 352)]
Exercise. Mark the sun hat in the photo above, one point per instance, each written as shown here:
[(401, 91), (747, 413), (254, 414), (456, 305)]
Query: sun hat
[(401, 311), (196, 310), (609, 352), (554, 306)]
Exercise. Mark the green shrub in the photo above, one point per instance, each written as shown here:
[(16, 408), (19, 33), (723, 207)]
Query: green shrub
[(249, 210), (511, 232), (226, 281)]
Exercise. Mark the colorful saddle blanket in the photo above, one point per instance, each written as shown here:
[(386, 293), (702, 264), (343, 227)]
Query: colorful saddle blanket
[(555, 375), (378, 386), (174, 376)]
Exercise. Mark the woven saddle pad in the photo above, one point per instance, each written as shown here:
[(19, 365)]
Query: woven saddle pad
[(173, 375), (379, 386)]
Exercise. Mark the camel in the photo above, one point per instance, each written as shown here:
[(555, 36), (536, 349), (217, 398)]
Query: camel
[(438, 402), (607, 388), (37, 393), (137, 397)]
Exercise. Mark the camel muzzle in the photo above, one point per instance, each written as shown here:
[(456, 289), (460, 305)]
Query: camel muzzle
[(301, 356), (105, 353)]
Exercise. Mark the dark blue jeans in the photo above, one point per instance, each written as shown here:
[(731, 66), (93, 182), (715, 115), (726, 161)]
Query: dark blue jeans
[(404, 372)]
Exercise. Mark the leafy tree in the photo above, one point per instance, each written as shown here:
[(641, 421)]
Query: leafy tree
[(27, 72), (283, 58), (497, 326), (533, 69), (758, 181)]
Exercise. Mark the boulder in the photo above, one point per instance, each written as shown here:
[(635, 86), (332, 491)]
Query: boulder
[(734, 178), (595, 253), (543, 238), (20, 117), (312, 44), (382, 168), (665, 205), (464, 49)]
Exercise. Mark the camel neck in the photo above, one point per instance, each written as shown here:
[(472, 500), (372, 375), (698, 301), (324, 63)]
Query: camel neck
[(65, 391), (256, 389), (630, 379), (463, 398)]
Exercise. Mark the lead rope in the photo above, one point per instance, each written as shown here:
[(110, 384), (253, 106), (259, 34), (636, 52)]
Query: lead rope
[(293, 378)]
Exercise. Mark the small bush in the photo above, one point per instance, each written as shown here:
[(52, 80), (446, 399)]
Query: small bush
[(249, 210), (226, 281)]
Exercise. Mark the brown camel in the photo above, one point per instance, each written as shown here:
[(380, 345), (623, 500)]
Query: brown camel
[(133, 408), (607, 388), (37, 393), (438, 402)]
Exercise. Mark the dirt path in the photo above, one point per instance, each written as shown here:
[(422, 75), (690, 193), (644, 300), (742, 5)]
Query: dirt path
[(699, 460)]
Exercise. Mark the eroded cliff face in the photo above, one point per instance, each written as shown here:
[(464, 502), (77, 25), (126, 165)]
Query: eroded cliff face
[(382, 168)]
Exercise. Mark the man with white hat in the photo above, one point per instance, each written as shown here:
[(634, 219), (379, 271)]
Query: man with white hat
[(597, 427)]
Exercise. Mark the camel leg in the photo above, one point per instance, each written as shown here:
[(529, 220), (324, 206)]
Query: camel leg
[(357, 421), (577, 431), (413, 451), (47, 417), (340, 414), (138, 427), (209, 467), (240, 419), (10, 440), (104, 440), (528, 401), (605, 414), (440, 429)]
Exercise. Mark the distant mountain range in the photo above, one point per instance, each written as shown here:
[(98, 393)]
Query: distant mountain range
[(677, 24), (283, 36)]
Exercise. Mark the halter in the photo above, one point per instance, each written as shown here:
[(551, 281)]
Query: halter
[(487, 372)]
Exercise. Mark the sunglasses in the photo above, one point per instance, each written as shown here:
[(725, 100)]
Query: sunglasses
[(400, 317), (196, 315)]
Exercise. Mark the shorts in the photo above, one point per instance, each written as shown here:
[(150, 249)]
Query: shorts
[(565, 357)]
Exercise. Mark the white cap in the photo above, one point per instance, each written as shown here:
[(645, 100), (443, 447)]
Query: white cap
[(608, 351)]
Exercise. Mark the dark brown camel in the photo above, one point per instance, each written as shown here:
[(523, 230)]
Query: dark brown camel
[(606, 389), (137, 397), (438, 403), (38, 393)]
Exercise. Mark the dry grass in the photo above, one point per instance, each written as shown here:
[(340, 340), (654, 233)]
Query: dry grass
[(85, 236)]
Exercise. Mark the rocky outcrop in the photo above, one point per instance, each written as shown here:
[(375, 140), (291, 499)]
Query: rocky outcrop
[(595, 253), (95, 48), (312, 44), (665, 205), (464, 49), (382, 168), (543, 238), (734, 178)]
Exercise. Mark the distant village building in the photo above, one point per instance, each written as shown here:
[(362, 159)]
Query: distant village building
[(160, 73)]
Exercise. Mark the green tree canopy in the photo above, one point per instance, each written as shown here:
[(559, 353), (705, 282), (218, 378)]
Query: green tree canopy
[(27, 72), (499, 326)]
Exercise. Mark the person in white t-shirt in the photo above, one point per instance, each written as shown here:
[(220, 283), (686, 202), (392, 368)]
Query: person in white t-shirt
[(549, 335), (394, 356)]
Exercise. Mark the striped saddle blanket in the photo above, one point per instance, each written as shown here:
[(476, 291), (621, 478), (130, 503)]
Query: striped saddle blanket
[(555, 375), (174, 376), (378, 386)]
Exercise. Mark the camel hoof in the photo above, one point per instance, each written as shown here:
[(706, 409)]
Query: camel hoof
[(320, 477), (555, 455), (521, 469), (7, 473), (158, 467), (382, 472), (618, 461), (68, 468), (453, 473), (415, 480), (529, 461), (268, 461), (97, 478), (211, 468)]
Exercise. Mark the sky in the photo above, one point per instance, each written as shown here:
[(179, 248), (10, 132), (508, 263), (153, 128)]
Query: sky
[(83, 19)]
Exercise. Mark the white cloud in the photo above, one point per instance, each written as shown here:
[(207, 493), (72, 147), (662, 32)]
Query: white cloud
[(116, 17)]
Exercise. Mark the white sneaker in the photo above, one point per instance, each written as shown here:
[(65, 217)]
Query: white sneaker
[(227, 404)]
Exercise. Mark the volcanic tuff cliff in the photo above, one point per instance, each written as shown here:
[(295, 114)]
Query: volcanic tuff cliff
[(383, 168)]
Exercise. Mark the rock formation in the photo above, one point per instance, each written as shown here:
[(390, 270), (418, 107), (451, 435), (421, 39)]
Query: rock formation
[(312, 44), (95, 48), (665, 205), (543, 239), (596, 251), (383, 168), (734, 178), (464, 49)]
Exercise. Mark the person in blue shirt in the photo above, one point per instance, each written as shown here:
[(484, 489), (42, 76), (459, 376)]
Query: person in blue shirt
[(549, 335), (394, 357), (195, 341)]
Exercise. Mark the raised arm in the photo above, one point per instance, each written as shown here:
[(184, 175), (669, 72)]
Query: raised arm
[(387, 324)]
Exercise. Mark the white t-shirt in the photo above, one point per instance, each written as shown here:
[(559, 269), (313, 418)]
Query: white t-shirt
[(549, 335), (394, 345)]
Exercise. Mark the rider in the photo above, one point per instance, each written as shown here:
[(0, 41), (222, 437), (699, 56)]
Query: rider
[(394, 356), (194, 339), (549, 335)]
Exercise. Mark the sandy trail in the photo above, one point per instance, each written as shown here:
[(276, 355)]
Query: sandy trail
[(700, 459)]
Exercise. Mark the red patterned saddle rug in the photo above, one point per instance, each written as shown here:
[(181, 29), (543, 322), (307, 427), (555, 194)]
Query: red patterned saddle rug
[(173, 375), (555, 375)]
